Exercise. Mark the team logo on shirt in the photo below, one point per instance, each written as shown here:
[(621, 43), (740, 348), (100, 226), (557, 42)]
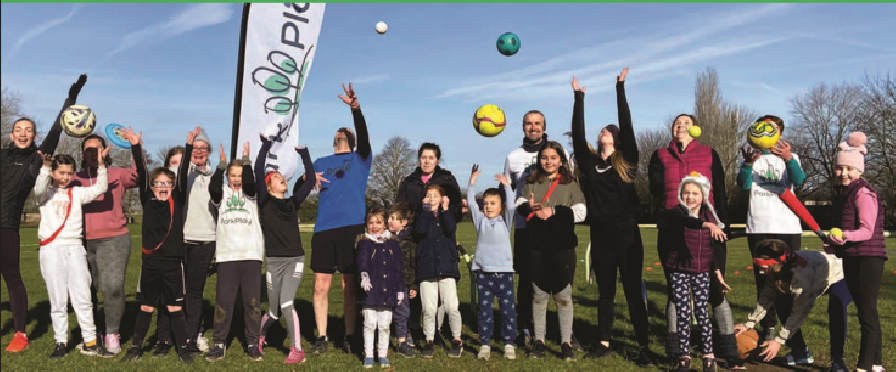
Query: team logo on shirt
[(236, 204), (770, 176)]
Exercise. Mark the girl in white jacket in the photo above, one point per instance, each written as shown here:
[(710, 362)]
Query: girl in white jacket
[(63, 260)]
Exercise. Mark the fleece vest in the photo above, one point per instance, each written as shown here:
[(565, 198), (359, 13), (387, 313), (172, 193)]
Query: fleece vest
[(678, 165)]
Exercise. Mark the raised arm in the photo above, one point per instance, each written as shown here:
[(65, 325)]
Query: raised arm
[(580, 149), (52, 139), (261, 189), (363, 138), (471, 198), (43, 179), (300, 193), (216, 184), (627, 142), (249, 187), (102, 180)]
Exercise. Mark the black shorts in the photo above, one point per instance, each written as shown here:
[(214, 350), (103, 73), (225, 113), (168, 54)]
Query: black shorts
[(334, 250), (162, 282)]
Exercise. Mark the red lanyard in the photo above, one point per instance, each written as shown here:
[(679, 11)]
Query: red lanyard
[(546, 195), (170, 222), (67, 212)]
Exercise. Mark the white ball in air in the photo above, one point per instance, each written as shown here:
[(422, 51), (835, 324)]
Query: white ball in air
[(381, 27)]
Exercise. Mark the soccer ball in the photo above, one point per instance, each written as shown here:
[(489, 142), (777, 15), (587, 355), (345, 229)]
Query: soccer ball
[(748, 344), (381, 27), (489, 121), (508, 44), (78, 121), (763, 135)]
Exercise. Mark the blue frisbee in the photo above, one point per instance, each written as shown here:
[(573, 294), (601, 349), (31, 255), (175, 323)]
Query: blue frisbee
[(113, 132)]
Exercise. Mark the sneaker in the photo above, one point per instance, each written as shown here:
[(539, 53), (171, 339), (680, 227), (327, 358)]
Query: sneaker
[(838, 365), (537, 351), (201, 343), (59, 352), (735, 364), (575, 343), (19, 343), (485, 351), (261, 344), (320, 346), (133, 355), (112, 343), (215, 354), (255, 354), (684, 364), (347, 343), (410, 340), (569, 353), (384, 362), (799, 360), (509, 351), (428, 349), (407, 350), (161, 349), (193, 348), (185, 357), (644, 360), (457, 348), (709, 365), (599, 352), (368, 363), (296, 356), (95, 350)]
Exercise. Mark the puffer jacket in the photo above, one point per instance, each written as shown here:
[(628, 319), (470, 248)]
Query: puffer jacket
[(437, 252)]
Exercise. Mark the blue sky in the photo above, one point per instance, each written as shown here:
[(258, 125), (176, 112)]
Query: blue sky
[(165, 68)]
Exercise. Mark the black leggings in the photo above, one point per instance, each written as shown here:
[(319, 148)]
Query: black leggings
[(9, 268), (617, 246), (863, 275)]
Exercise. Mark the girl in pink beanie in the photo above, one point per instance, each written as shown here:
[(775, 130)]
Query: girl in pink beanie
[(859, 212)]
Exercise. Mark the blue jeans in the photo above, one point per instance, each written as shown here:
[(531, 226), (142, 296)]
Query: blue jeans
[(500, 285)]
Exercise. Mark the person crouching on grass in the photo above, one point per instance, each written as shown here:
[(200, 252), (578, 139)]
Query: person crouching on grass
[(63, 259), (162, 195)]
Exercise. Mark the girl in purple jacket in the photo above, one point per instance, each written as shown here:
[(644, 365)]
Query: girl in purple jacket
[(381, 264), (859, 213), (695, 227)]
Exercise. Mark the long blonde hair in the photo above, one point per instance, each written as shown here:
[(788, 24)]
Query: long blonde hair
[(625, 169)]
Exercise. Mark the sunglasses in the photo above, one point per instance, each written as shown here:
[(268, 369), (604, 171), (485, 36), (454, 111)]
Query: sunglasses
[(759, 261), (162, 184)]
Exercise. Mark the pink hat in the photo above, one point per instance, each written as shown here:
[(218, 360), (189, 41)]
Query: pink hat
[(852, 152)]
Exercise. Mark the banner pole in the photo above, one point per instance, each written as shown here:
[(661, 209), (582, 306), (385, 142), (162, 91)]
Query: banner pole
[(238, 91)]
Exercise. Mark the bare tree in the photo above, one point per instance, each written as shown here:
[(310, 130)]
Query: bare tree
[(878, 120), (823, 117), (648, 142), (390, 167), (11, 109), (724, 125)]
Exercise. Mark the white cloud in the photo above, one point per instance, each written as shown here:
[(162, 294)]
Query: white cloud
[(193, 17), (40, 29), (371, 79)]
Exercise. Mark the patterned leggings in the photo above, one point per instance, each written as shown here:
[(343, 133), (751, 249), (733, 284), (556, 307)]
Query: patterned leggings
[(682, 283), (500, 285)]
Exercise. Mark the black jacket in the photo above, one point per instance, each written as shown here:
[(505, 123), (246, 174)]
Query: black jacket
[(412, 190), (437, 254), (18, 173), (160, 225)]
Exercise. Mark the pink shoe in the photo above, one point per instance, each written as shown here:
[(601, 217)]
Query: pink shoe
[(296, 356), (261, 344)]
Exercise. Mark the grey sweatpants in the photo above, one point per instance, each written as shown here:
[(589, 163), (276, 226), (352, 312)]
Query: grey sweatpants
[(108, 259), (283, 277), (563, 300)]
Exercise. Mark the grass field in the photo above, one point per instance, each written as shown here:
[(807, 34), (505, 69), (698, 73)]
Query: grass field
[(742, 300)]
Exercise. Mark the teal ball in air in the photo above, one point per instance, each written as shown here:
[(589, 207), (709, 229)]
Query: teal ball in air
[(508, 44)]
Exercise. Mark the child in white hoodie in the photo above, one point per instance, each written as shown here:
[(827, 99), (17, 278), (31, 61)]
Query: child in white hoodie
[(63, 259)]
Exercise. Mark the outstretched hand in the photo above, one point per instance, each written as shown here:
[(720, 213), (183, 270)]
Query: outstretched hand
[(102, 154), (192, 135), (782, 149), (474, 176), (749, 155), (76, 87), (621, 76), (575, 85), (47, 158), (246, 149), (771, 350), (223, 155), (350, 98), (503, 180), (131, 136)]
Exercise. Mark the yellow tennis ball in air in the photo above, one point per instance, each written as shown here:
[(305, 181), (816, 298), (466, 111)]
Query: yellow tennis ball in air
[(695, 131)]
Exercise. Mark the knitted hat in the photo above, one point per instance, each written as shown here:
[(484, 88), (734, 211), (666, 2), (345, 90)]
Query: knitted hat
[(852, 152), (203, 137), (704, 184)]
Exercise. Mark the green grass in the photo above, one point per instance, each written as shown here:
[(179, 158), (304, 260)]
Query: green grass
[(742, 300)]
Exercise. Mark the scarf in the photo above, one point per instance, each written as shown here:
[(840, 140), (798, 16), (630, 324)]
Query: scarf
[(535, 146), (379, 238)]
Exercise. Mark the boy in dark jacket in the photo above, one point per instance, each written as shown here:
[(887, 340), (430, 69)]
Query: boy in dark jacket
[(400, 219), (163, 196), (437, 270)]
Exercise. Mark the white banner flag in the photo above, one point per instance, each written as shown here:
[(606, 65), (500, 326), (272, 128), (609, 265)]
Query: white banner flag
[(279, 41)]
